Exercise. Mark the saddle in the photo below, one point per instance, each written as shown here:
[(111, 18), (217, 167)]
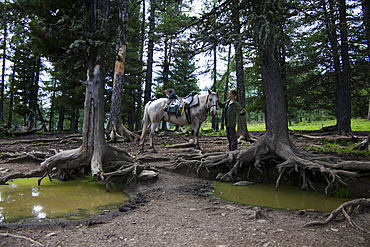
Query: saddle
[(178, 106)]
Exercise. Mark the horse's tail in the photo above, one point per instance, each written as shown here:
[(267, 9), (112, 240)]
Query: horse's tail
[(146, 121)]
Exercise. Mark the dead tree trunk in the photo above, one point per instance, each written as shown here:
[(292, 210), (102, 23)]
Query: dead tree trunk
[(115, 128)]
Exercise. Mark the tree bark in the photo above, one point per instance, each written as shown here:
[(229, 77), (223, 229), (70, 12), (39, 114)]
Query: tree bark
[(61, 118), (341, 74), (149, 71), (226, 90), (214, 127), (140, 76), (344, 116), (366, 14), (242, 122), (51, 120), (2, 87)]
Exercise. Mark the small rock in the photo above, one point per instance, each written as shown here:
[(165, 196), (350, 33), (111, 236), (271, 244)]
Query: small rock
[(301, 212), (4, 170), (124, 209), (243, 183), (148, 175), (311, 210), (50, 234)]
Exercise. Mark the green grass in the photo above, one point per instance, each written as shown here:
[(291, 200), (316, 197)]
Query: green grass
[(356, 125)]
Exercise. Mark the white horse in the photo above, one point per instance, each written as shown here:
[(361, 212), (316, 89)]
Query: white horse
[(154, 113)]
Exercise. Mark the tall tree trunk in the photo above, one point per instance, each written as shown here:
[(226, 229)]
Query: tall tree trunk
[(166, 72), (226, 90), (73, 120), (140, 76), (34, 92), (61, 119), (51, 120), (43, 124), (366, 14), (344, 119), (242, 122), (11, 100), (214, 127), (368, 114), (2, 87), (335, 49), (149, 71)]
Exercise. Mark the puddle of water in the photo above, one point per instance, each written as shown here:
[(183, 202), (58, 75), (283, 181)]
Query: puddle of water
[(23, 200), (286, 197)]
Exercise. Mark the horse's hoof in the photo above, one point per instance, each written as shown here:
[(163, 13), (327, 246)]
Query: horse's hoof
[(198, 148), (154, 151)]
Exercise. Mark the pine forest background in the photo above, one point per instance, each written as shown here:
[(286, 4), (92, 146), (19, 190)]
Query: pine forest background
[(44, 45)]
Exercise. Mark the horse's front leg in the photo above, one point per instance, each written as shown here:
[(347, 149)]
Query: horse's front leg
[(196, 127)]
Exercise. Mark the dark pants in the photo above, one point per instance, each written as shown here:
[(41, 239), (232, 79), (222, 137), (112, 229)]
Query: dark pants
[(231, 137)]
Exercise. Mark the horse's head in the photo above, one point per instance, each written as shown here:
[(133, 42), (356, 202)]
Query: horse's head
[(213, 100)]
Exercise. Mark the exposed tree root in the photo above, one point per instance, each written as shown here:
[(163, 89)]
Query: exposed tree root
[(69, 138), (120, 133), (62, 165), (21, 237), (20, 131), (283, 154), (346, 209), (363, 145), (14, 157)]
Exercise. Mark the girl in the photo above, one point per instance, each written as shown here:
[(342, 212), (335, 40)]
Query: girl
[(233, 108)]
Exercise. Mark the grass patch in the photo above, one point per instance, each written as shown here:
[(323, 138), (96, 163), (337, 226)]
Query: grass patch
[(343, 192), (357, 124)]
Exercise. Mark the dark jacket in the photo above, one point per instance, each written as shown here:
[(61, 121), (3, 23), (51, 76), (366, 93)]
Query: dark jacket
[(234, 110)]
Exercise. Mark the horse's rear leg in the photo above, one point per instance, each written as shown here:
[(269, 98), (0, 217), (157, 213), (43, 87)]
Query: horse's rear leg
[(151, 136)]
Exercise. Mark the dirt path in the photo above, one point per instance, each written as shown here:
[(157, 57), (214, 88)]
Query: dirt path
[(176, 211)]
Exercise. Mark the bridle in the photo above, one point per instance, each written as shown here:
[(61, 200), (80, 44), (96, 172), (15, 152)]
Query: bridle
[(208, 108)]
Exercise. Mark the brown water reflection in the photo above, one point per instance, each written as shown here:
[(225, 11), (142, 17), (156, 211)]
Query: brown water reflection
[(286, 197), (23, 200)]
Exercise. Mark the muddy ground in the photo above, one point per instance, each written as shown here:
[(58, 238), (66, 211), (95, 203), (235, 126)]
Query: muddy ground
[(177, 210)]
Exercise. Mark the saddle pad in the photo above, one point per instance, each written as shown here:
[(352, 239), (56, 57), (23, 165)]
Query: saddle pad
[(175, 106)]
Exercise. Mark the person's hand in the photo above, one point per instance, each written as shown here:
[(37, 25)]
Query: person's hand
[(244, 111)]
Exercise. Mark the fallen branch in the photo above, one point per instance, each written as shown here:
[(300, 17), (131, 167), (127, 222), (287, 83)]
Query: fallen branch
[(190, 143)]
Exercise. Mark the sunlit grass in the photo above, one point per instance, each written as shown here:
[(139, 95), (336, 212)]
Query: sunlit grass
[(356, 125)]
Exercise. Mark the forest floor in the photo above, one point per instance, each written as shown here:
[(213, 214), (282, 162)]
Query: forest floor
[(177, 209)]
